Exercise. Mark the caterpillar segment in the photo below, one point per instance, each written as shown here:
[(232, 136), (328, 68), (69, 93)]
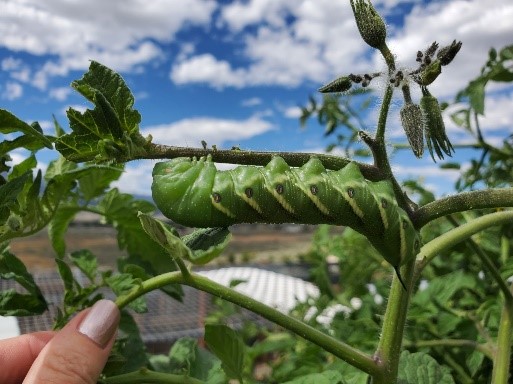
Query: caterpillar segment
[(194, 193)]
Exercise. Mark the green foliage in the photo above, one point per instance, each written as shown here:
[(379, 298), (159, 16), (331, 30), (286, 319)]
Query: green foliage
[(13, 303), (111, 130), (455, 328), (422, 368), (227, 345)]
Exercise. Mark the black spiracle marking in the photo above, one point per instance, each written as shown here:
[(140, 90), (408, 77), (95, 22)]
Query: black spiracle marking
[(249, 192), (217, 197), (384, 203), (350, 192), (313, 189), (280, 189), (416, 245), (405, 224)]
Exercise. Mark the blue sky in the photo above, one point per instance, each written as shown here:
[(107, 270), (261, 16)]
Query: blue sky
[(234, 72)]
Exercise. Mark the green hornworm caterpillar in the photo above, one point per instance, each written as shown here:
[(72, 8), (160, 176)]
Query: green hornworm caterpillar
[(194, 193)]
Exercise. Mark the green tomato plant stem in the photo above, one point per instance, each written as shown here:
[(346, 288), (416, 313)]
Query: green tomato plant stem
[(341, 350), (488, 263), (243, 157), (150, 377), (456, 235), (489, 198), (500, 373), (389, 347)]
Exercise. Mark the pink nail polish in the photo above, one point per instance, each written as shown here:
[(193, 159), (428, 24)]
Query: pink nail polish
[(101, 322)]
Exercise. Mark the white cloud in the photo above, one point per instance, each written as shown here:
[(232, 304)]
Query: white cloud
[(215, 131), (136, 178), (251, 102), (60, 93), (12, 91), (117, 33), (206, 68), (292, 112)]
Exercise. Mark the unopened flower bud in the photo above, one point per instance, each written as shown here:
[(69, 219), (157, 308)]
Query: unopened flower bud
[(434, 127), (447, 54), (370, 24), (429, 73), (411, 120), (341, 84)]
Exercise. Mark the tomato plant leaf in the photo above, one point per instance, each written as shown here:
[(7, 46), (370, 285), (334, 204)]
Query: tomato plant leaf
[(121, 284), (13, 303), (206, 244), (130, 344), (87, 262), (120, 210), (110, 131), (419, 367), (34, 137), (228, 346), (59, 225), (326, 377)]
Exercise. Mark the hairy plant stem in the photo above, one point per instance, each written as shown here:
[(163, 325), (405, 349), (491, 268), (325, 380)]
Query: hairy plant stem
[(389, 347), (500, 373), (456, 235), (243, 157), (150, 377), (487, 262), (490, 198), (341, 350)]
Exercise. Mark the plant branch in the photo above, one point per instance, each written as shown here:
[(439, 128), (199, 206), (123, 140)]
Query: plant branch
[(456, 235), (490, 198), (389, 347), (500, 373), (150, 377), (343, 351), (243, 157)]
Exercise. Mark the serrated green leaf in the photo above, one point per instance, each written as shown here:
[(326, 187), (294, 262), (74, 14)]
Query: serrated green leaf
[(121, 284), (9, 193), (120, 210), (476, 94), (182, 355), (131, 345), (87, 262), (26, 165), (10, 123), (228, 346), (66, 275), (420, 368), (166, 236), (59, 225), (327, 377), (206, 244), (111, 85), (94, 184), (109, 131), (13, 303)]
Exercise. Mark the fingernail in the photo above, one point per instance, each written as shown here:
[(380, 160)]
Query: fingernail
[(101, 322)]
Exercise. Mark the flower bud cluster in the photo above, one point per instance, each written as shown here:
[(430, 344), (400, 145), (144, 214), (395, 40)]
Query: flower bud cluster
[(370, 24), (344, 83), (434, 127), (430, 67)]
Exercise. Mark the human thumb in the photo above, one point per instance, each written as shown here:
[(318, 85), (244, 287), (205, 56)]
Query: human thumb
[(78, 353)]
